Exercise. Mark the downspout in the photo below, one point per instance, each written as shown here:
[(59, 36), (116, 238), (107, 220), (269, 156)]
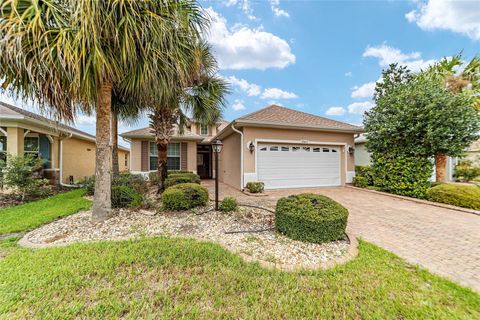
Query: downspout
[(241, 154), (60, 160)]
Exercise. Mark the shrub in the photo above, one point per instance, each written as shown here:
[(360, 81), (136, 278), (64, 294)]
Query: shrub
[(255, 187), (366, 173), (466, 171), (228, 204), (135, 181), (178, 171), (153, 178), (361, 182), (402, 175), (88, 183), (178, 178), (184, 196), (311, 218), (124, 196), (457, 195), (22, 175)]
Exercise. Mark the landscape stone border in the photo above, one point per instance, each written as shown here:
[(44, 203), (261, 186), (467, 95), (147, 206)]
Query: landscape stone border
[(431, 203)]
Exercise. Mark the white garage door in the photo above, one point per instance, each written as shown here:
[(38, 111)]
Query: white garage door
[(297, 166)]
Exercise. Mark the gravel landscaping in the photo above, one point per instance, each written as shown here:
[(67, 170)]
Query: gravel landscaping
[(269, 247)]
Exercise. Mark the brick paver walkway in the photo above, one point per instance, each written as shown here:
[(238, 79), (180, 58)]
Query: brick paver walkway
[(444, 241)]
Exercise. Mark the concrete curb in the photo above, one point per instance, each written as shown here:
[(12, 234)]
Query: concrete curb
[(431, 203)]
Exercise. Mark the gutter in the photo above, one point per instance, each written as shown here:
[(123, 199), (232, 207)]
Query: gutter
[(241, 154)]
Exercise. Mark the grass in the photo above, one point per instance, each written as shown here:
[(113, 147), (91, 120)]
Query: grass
[(33, 214), (162, 278)]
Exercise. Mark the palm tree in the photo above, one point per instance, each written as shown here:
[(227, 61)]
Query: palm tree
[(202, 96), (68, 55), (457, 76)]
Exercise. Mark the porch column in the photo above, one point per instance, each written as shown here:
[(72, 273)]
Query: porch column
[(15, 141)]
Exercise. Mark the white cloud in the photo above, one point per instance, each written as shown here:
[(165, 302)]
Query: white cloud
[(274, 4), (230, 3), (364, 91), (251, 89), (246, 48), (457, 16), (85, 120), (275, 93), (238, 105), (348, 74), (387, 55), (335, 111), (360, 107)]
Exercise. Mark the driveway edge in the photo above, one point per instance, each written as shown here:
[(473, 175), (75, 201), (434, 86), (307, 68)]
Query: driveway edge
[(431, 203)]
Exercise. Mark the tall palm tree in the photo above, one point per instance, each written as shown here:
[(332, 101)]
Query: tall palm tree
[(457, 76), (68, 55), (202, 97)]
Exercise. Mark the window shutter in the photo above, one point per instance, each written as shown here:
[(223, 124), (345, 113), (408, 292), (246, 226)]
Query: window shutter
[(145, 156), (183, 156)]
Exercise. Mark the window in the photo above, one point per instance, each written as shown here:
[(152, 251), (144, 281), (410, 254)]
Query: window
[(316, 149), (3, 148), (203, 130), (126, 160), (173, 156), (274, 148), (31, 146), (263, 149), (295, 149), (285, 149), (333, 150), (325, 150), (306, 149)]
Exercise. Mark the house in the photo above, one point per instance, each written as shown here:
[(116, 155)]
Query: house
[(362, 156), (281, 147), (69, 152)]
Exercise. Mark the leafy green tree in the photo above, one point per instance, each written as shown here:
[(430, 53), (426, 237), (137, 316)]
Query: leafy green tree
[(69, 55)]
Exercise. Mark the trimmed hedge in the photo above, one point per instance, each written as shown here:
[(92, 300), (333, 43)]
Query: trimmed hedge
[(178, 171), (363, 176), (255, 187), (361, 182), (402, 175), (123, 197), (184, 196), (177, 178), (311, 218), (457, 195), (228, 204)]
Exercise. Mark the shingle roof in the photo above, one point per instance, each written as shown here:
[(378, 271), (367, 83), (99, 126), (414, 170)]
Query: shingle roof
[(148, 132), (9, 110), (284, 116)]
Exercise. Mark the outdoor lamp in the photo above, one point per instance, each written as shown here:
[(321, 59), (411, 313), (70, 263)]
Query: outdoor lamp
[(217, 148)]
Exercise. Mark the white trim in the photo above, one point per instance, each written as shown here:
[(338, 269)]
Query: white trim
[(305, 142), (25, 133), (242, 169), (3, 131), (49, 137)]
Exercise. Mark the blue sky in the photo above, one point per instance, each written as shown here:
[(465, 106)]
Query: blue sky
[(323, 57)]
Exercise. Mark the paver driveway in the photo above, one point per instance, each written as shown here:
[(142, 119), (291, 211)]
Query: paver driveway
[(446, 242)]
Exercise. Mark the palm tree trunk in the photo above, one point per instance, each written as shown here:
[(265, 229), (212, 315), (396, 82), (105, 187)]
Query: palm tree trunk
[(441, 168), (162, 121), (115, 167), (102, 205)]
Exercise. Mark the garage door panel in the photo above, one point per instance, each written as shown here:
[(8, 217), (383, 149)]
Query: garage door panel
[(290, 166)]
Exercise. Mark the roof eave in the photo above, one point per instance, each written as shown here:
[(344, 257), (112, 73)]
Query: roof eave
[(295, 126)]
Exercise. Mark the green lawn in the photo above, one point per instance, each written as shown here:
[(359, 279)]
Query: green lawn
[(160, 278), (33, 214)]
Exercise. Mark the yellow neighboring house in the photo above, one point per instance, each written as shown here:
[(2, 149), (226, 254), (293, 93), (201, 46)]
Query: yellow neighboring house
[(69, 153)]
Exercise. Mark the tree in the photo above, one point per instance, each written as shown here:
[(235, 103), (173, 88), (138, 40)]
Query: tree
[(457, 77), (416, 116), (201, 96), (69, 55)]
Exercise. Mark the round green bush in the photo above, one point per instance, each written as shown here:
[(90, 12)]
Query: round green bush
[(361, 182), (124, 196), (228, 204), (311, 218), (184, 196), (255, 187), (177, 178), (457, 195)]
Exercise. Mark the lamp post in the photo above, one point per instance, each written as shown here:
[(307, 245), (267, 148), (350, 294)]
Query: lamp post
[(217, 148)]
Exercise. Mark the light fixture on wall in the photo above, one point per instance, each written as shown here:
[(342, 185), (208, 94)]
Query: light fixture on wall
[(351, 149), (251, 146)]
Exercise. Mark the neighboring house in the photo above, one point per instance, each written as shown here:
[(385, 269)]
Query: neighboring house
[(362, 156), (281, 147), (191, 150), (69, 153)]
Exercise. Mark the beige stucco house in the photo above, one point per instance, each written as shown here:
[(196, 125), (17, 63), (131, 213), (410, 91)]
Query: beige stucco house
[(281, 147), (69, 153)]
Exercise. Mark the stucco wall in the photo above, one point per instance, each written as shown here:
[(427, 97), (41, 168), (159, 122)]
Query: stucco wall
[(229, 160), (192, 156), (362, 156), (121, 160), (78, 159), (253, 133)]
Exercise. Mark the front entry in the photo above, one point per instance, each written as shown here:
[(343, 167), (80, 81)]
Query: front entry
[(204, 168)]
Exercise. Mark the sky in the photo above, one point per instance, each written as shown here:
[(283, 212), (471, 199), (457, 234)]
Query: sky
[(323, 57)]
